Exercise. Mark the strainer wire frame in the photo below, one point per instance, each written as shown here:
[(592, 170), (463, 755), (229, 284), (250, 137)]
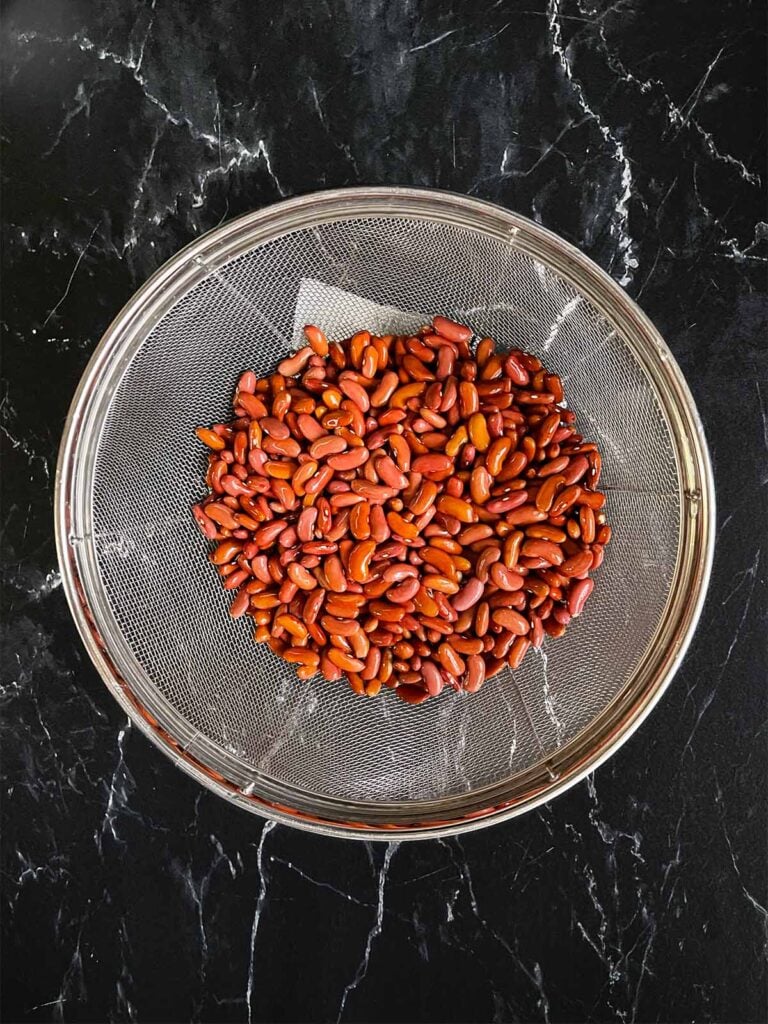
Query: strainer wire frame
[(225, 773)]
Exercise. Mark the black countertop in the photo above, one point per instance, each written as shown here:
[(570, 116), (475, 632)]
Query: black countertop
[(636, 130)]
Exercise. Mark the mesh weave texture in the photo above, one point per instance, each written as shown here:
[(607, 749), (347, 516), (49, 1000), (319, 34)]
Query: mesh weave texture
[(169, 604)]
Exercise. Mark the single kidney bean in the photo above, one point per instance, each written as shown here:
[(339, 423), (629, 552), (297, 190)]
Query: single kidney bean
[(240, 604), (575, 470), (509, 619), (317, 340), (451, 330), (518, 651), (558, 465), (546, 549), (437, 558), (476, 671), (301, 576), (319, 481), (458, 508), (469, 595), (433, 680), (360, 559), (404, 591), (390, 474), (401, 527), (328, 444), (577, 564), (252, 405), (451, 661), (565, 500), (348, 460), (587, 524), (504, 578), (500, 505), (578, 594), (440, 584), (309, 427)]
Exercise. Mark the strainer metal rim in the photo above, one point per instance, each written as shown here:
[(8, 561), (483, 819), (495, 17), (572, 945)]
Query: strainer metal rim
[(224, 773)]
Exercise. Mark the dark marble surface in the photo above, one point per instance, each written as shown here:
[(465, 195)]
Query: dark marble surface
[(636, 130)]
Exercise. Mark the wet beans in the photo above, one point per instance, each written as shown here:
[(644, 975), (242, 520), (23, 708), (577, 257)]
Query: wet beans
[(403, 511)]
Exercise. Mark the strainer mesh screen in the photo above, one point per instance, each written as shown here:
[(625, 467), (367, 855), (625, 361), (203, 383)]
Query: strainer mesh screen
[(169, 604)]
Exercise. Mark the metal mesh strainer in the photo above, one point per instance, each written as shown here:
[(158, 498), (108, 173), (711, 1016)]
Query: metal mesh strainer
[(153, 614)]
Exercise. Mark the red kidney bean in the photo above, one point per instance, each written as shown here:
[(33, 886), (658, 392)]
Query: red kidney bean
[(578, 594), (451, 330), (235, 579), (562, 615), (329, 444), (576, 469), (433, 679), (390, 474), (512, 501), (504, 578), (405, 591), (207, 525), (576, 564), (518, 651), (349, 460), (356, 393), (469, 595), (411, 693), (546, 549), (509, 619), (476, 672), (537, 632)]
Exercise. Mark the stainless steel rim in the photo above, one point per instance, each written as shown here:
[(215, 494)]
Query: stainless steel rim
[(224, 773)]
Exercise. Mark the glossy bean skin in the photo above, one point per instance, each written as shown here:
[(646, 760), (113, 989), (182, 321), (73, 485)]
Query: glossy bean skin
[(451, 330), (578, 594), (476, 671), (402, 511), (469, 595)]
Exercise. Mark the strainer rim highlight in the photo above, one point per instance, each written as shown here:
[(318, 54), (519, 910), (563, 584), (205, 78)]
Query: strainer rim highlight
[(224, 773)]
